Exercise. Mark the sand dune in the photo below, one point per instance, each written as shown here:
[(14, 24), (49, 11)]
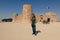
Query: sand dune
[(23, 31)]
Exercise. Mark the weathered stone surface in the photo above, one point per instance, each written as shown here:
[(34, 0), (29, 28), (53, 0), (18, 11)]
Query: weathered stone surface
[(38, 18), (15, 17), (51, 15), (27, 15)]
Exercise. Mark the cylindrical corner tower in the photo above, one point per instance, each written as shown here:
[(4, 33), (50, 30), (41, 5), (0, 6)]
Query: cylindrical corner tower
[(27, 13)]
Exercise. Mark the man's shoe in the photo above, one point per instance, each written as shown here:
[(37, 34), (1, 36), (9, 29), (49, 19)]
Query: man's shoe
[(33, 33), (36, 33)]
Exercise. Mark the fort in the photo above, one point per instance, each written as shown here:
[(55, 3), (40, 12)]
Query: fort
[(27, 14)]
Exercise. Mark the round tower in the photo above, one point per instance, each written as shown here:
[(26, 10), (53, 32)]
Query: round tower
[(27, 13)]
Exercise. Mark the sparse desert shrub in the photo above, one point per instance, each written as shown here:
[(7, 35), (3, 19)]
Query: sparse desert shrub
[(7, 20)]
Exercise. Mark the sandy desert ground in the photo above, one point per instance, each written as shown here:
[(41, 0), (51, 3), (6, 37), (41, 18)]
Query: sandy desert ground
[(23, 31)]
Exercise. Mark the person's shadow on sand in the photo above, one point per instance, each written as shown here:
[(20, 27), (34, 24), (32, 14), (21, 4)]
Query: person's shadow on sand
[(37, 32)]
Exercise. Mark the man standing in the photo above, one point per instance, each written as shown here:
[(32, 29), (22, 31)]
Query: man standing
[(34, 25)]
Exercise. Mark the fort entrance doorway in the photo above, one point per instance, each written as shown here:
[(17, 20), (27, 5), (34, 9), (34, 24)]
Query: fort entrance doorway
[(48, 19)]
